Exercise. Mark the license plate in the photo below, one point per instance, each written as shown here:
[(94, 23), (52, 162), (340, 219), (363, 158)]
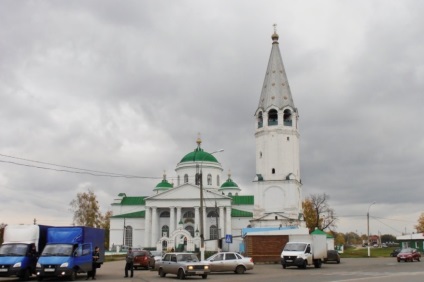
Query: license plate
[(289, 260), (3, 269), (48, 269), (199, 272)]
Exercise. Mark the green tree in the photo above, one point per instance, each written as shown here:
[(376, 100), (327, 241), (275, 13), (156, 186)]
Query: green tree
[(317, 212), (388, 238)]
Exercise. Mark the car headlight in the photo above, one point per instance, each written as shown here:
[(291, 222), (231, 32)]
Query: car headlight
[(65, 264), (18, 264), (190, 267), (38, 265), (206, 266)]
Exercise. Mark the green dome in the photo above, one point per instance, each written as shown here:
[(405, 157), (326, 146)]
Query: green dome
[(198, 155), (164, 185), (229, 184)]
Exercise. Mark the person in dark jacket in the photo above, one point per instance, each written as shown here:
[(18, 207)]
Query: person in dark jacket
[(129, 265), (92, 273)]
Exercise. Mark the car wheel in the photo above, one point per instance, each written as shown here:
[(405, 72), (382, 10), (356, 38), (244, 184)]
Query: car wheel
[(40, 278), (181, 274), (240, 269), (284, 266), (161, 273), (305, 264), (338, 261), (418, 259), (204, 276), (398, 260)]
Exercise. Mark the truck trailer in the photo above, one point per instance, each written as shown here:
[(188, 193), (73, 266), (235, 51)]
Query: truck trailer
[(69, 251), (304, 250), (20, 249)]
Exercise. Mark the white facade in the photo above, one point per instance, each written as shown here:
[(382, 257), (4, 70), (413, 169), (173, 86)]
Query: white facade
[(173, 216)]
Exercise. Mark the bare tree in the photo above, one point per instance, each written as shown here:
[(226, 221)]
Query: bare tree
[(317, 212)]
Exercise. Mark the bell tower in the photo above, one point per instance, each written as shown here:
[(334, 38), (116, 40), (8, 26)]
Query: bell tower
[(277, 182)]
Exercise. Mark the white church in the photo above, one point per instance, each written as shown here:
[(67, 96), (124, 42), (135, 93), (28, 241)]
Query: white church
[(205, 209)]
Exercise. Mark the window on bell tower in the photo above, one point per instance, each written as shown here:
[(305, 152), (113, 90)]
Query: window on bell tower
[(287, 117), (273, 171), (273, 117), (260, 120)]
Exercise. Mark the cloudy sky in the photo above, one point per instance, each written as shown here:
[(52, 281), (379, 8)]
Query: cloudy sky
[(125, 87)]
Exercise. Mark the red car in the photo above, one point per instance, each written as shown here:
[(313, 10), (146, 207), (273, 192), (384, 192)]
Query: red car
[(143, 259), (408, 254)]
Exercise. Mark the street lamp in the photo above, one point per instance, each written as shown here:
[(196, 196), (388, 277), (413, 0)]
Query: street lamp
[(368, 227), (202, 239)]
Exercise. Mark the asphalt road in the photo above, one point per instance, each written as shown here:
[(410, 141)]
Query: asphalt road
[(358, 269)]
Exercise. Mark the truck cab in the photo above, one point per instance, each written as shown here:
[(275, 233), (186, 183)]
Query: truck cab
[(20, 249)]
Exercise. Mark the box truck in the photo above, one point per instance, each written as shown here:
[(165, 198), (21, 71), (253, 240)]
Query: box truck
[(20, 249), (69, 251), (304, 250)]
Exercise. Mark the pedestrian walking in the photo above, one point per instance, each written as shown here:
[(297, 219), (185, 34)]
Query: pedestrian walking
[(129, 265)]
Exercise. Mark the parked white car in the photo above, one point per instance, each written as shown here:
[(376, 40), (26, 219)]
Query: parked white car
[(230, 261)]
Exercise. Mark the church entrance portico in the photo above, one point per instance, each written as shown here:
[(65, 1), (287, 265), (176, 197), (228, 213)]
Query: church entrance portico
[(179, 240)]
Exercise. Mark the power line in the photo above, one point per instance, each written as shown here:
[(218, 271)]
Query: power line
[(81, 170)]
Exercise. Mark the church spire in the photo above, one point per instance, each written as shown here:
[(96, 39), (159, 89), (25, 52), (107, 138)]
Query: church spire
[(275, 90)]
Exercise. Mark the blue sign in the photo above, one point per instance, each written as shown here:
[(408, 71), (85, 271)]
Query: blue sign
[(228, 238)]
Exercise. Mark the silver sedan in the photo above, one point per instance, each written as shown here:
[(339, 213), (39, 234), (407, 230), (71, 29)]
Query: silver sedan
[(230, 261)]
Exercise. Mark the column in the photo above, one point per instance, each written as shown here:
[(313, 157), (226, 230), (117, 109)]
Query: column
[(155, 227), (178, 217), (228, 229), (205, 224), (147, 224), (171, 220), (196, 219), (221, 221)]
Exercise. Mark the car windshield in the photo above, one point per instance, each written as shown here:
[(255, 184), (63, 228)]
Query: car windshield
[(407, 250), (187, 257), (64, 250), (16, 250), (295, 247)]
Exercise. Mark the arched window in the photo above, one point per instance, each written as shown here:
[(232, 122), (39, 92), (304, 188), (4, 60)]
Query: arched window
[(165, 231), (230, 194), (178, 180), (273, 171), (260, 120), (188, 217), (213, 214), (128, 236), (190, 229), (197, 182), (287, 117), (273, 117), (164, 214), (209, 179), (217, 180), (185, 178), (213, 232)]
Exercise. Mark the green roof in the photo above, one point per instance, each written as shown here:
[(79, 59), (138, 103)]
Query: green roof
[(198, 155), (229, 184), (239, 213), (130, 201), (163, 185), (139, 214), (243, 200), (320, 232)]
